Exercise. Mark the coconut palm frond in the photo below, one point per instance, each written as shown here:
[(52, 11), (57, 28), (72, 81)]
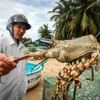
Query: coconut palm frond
[(54, 17), (44, 32), (64, 31), (92, 27), (85, 21), (75, 21), (92, 5)]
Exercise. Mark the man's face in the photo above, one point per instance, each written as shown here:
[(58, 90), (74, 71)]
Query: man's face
[(19, 30)]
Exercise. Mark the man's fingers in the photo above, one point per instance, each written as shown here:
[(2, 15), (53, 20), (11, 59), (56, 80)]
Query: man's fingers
[(4, 71), (8, 64), (11, 62), (11, 57)]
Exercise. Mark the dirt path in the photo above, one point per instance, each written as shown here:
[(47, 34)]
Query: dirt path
[(51, 68)]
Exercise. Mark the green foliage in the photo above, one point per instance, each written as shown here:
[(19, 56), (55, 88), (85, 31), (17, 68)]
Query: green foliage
[(28, 42), (44, 32), (75, 18)]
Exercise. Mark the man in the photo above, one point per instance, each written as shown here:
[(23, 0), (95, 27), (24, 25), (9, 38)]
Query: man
[(12, 73)]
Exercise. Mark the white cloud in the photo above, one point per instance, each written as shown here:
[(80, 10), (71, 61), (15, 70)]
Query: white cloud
[(34, 10)]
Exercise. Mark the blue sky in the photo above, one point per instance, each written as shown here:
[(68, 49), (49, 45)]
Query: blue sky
[(36, 12)]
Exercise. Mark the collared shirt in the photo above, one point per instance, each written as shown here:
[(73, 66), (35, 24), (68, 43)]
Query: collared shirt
[(15, 82)]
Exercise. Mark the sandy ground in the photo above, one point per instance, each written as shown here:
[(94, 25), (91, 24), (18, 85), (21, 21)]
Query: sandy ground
[(51, 68)]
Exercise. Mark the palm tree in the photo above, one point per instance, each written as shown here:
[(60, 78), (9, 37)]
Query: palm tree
[(44, 32), (75, 18)]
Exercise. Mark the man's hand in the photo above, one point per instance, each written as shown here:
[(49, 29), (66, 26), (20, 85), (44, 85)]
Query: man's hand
[(6, 64)]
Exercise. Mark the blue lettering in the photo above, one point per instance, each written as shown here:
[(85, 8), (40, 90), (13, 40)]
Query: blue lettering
[(34, 79)]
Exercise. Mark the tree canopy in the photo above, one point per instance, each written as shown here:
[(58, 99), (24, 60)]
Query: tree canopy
[(45, 32), (75, 18)]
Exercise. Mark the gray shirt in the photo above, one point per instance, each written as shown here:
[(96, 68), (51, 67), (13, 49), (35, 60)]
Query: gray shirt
[(16, 84)]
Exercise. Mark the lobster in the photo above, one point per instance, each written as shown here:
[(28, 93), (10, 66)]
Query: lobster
[(70, 73), (79, 54)]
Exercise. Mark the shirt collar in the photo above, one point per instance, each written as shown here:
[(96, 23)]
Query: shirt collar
[(11, 41)]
